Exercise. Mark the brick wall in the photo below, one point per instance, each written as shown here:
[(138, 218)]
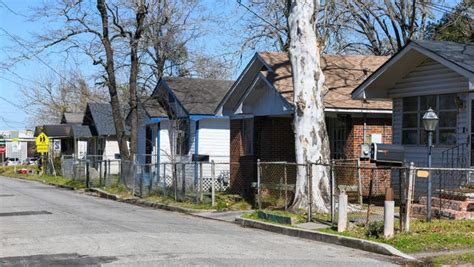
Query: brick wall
[(374, 126), (380, 126), (274, 141)]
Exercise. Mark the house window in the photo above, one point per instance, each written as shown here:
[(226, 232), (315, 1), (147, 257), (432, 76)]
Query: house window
[(247, 136), (414, 108)]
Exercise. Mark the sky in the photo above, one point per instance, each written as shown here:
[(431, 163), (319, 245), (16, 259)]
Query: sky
[(14, 20)]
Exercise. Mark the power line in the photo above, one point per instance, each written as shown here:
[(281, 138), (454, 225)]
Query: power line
[(11, 10), (260, 17), (42, 61)]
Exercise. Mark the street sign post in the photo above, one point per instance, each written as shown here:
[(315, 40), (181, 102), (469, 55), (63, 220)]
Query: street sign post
[(42, 147), (42, 143)]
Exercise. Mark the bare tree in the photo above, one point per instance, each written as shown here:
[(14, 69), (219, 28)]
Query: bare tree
[(311, 140), (50, 97), (172, 26), (378, 27), (266, 25), (383, 27), (109, 33)]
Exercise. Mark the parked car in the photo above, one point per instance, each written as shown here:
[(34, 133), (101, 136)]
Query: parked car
[(12, 161), (31, 161)]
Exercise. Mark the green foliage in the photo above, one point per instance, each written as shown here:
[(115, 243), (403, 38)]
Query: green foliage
[(423, 236), (453, 259), (374, 229), (457, 26), (34, 176), (298, 218)]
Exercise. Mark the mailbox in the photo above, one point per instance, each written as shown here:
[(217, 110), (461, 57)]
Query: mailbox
[(385, 154), (200, 158)]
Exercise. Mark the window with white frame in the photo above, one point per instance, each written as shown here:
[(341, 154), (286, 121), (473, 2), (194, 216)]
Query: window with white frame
[(415, 107)]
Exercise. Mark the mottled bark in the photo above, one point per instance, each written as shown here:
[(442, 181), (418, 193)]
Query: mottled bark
[(311, 140)]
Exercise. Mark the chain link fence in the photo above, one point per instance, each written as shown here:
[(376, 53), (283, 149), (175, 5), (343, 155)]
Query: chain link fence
[(273, 185), (365, 184)]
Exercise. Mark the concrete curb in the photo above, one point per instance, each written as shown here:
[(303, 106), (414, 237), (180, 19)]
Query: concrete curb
[(351, 242), (144, 203), (62, 186)]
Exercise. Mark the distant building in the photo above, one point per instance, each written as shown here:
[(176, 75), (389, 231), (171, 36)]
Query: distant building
[(19, 144)]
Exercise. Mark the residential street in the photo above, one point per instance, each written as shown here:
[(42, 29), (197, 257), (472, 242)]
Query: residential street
[(44, 225)]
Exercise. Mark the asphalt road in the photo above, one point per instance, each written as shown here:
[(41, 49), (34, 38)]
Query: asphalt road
[(44, 225)]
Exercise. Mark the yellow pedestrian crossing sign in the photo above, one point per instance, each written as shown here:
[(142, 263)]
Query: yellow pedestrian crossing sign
[(42, 143)]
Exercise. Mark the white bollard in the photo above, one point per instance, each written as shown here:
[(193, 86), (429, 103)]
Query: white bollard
[(389, 214), (342, 212)]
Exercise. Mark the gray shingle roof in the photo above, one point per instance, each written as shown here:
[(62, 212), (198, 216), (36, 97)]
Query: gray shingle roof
[(72, 117), (152, 107), (460, 54), (199, 96), (103, 119), (80, 131), (54, 130)]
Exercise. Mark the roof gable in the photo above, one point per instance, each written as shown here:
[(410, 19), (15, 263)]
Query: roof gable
[(72, 117), (342, 75), (457, 57), (193, 95), (99, 117), (457, 53)]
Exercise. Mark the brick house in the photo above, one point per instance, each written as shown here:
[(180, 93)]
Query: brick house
[(260, 107)]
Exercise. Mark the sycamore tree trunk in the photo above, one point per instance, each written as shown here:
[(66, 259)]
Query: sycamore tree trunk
[(311, 141)]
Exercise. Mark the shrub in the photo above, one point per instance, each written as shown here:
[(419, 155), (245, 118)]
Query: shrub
[(374, 229)]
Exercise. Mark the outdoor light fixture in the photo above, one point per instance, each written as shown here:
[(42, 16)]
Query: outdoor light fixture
[(430, 121)]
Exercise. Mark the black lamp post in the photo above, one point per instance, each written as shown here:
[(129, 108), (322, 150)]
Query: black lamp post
[(430, 121)]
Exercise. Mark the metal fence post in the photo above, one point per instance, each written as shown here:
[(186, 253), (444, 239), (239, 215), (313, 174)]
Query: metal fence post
[(259, 202), (286, 185), (333, 191), (100, 173), (105, 172), (183, 181), (133, 172), (310, 191), (109, 168), (201, 195), (175, 180), (87, 175), (359, 180), (213, 182)]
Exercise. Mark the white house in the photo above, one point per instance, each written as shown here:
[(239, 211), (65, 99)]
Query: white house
[(178, 121)]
